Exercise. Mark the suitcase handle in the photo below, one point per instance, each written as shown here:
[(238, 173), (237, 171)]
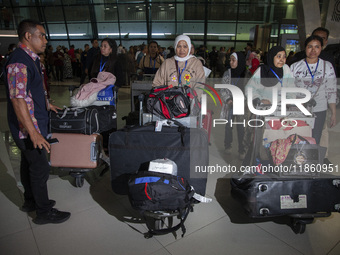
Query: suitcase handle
[(94, 151)]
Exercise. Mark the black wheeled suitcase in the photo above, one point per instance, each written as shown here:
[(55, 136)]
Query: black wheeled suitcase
[(131, 150), (263, 196)]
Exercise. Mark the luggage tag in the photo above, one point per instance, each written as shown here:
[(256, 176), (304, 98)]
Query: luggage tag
[(201, 198), (160, 124)]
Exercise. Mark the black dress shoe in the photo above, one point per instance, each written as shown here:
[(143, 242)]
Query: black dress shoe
[(29, 206), (53, 216)]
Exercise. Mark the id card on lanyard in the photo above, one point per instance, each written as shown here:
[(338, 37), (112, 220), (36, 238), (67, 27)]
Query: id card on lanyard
[(179, 72), (102, 65), (310, 72)]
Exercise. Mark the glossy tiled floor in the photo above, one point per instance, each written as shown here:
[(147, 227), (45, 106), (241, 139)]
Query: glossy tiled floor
[(104, 223)]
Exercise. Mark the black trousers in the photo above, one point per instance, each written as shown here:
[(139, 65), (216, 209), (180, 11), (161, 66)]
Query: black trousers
[(318, 125), (34, 173)]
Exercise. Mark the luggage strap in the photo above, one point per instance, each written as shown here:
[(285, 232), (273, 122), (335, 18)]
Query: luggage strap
[(183, 214)]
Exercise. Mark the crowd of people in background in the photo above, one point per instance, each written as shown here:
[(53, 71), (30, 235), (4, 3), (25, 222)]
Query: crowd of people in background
[(68, 63)]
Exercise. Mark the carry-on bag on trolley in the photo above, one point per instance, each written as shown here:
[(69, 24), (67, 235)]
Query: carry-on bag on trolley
[(160, 196), (76, 153), (131, 149), (87, 120)]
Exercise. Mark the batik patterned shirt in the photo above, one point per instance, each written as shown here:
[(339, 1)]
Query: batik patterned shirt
[(17, 85)]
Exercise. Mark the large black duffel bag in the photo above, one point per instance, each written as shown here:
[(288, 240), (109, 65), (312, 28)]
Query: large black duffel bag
[(87, 120), (132, 149)]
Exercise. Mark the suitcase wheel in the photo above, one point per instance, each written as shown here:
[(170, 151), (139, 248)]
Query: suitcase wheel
[(79, 178), (299, 225)]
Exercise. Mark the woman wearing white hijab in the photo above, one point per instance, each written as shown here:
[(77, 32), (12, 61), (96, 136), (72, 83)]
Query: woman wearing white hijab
[(183, 68)]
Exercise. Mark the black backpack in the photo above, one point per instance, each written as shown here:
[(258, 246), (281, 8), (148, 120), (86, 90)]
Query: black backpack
[(157, 192), (173, 102)]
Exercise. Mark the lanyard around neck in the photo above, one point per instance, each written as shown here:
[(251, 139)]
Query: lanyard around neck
[(180, 72), (312, 74), (154, 63), (280, 80), (101, 67)]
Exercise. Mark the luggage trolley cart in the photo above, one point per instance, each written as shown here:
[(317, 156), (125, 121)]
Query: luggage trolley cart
[(132, 140), (266, 195), (80, 133)]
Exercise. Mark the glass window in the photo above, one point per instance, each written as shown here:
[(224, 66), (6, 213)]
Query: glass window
[(50, 2), (57, 31), (77, 2), (5, 3), (24, 13), (7, 15), (108, 30), (213, 2), (163, 30), (222, 12), (252, 12), (128, 1), (279, 12), (221, 31), (10, 18), (53, 14), (163, 11), (194, 11), (245, 31), (80, 30), (259, 1), (132, 12), (194, 30), (133, 30), (289, 29), (164, 1), (23, 3), (79, 13), (106, 13)]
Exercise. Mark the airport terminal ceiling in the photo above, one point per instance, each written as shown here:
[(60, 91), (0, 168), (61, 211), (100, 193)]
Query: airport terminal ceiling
[(230, 23)]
